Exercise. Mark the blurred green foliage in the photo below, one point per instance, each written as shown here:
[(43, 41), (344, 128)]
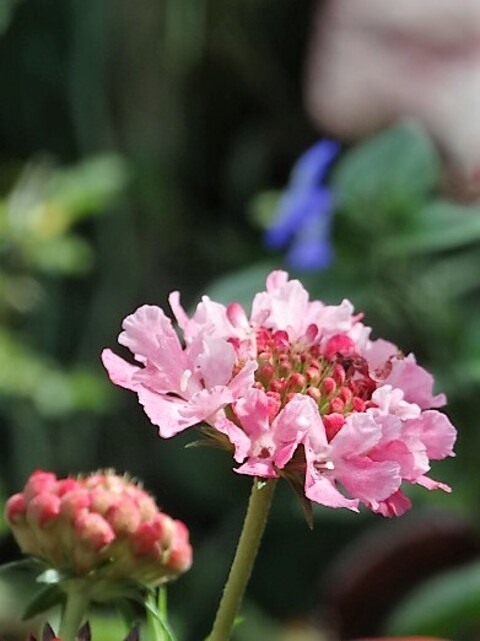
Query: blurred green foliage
[(38, 243), (171, 118)]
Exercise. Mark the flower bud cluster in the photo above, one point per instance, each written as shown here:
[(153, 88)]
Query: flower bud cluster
[(101, 522)]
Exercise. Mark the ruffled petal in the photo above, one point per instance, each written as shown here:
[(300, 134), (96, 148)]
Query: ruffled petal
[(366, 479), (149, 335), (435, 431), (119, 371), (415, 381), (322, 490)]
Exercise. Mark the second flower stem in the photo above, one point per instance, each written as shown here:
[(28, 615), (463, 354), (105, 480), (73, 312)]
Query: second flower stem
[(74, 611), (248, 544)]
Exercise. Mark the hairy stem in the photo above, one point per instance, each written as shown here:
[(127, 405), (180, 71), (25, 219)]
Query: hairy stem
[(247, 548)]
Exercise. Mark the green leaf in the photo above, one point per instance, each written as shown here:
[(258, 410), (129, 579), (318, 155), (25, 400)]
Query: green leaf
[(442, 606), (397, 166), (90, 186), (157, 618), (263, 208), (44, 600), (63, 255), (439, 226)]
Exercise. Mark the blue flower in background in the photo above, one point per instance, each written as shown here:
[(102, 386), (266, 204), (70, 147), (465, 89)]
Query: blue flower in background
[(304, 215)]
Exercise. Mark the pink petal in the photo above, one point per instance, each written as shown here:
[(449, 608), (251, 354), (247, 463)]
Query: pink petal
[(243, 380), (286, 302), (298, 419), (119, 371), (210, 319), (321, 490), (359, 434), (149, 334), (395, 505), (436, 432), (236, 436), (237, 316), (390, 400), (276, 280), (411, 464), (203, 405), (368, 480), (263, 468), (216, 361), (430, 484), (173, 415), (164, 412), (378, 354), (178, 311), (415, 381), (253, 413)]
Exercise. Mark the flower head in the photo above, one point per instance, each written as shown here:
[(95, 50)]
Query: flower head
[(102, 526), (298, 389), (303, 218)]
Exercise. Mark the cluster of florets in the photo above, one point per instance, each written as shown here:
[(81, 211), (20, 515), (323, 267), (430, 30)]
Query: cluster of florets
[(102, 523), (298, 388)]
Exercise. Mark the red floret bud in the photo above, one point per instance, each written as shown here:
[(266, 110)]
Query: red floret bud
[(39, 482), (42, 509), (93, 530), (16, 509)]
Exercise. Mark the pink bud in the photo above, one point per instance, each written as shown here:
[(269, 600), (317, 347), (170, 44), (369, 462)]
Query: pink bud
[(274, 401), (339, 344), (333, 423), (346, 394), (73, 502), (265, 373), (279, 385), (314, 393), (147, 538), (124, 517), (93, 530), (147, 507), (297, 382), (358, 404), (39, 482), (336, 405), (15, 509), (180, 558), (101, 500), (236, 315), (66, 485), (328, 385), (43, 508)]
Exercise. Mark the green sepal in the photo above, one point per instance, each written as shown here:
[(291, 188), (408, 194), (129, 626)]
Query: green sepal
[(127, 612), (105, 590), (157, 614), (297, 484), (44, 599)]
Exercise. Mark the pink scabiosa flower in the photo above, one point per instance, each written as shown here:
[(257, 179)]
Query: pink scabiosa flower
[(298, 388), (94, 528)]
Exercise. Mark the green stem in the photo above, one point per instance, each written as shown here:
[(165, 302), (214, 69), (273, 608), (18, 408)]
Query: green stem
[(74, 611), (247, 548)]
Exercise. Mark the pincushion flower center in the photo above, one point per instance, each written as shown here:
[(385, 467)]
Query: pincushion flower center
[(334, 376)]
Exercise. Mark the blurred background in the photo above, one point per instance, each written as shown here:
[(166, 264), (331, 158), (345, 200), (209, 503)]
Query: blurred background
[(145, 147)]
